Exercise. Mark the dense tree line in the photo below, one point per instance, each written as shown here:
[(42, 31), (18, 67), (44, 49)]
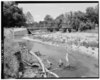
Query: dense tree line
[(12, 15), (79, 21)]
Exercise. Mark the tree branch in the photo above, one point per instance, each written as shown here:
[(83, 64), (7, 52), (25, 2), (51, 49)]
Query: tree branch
[(43, 67)]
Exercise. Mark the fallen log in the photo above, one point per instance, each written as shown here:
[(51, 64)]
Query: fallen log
[(40, 61), (43, 67)]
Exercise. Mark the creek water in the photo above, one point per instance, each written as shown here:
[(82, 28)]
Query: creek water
[(80, 65)]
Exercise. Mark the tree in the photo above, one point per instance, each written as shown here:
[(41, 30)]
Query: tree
[(29, 18), (97, 14), (92, 14), (59, 21), (75, 23), (81, 16), (82, 26), (48, 18), (35, 25), (49, 22), (69, 18), (41, 24), (12, 15)]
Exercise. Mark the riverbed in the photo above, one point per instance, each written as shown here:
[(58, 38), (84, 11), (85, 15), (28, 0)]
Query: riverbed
[(82, 65)]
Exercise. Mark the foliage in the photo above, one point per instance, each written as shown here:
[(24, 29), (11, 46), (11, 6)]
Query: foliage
[(12, 15), (29, 18), (92, 14), (79, 21), (49, 22), (59, 21), (75, 23)]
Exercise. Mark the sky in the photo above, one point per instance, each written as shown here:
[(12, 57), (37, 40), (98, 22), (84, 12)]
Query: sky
[(40, 10)]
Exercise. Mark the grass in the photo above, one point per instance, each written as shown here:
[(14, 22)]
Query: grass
[(11, 60), (90, 44), (92, 31), (11, 63)]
